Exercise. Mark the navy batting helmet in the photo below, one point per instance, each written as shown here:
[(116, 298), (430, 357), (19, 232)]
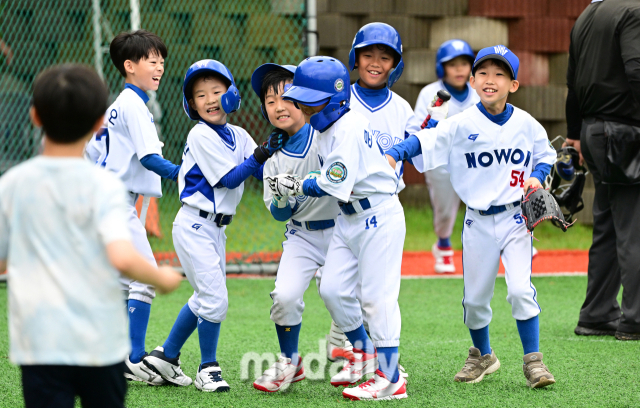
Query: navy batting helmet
[(566, 181), (319, 80), (230, 100), (452, 49), (378, 33)]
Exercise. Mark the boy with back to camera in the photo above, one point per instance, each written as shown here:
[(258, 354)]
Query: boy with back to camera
[(453, 68), (494, 152), (64, 234), (310, 227), (217, 159), (129, 146)]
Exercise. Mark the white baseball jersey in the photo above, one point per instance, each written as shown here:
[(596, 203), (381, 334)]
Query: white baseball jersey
[(208, 157), (129, 134), (488, 162), (65, 304), (455, 106), (356, 167), (391, 121), (301, 156)]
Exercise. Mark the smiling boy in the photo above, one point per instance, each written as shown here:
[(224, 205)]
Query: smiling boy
[(494, 152)]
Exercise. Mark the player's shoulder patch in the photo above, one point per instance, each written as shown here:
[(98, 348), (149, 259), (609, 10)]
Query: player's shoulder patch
[(337, 172)]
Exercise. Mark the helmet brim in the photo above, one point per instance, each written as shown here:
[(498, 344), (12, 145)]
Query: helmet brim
[(306, 96), (374, 42), (492, 56)]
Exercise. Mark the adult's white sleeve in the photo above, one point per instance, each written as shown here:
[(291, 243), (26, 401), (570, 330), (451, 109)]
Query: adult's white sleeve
[(112, 210), (142, 130), (436, 146)]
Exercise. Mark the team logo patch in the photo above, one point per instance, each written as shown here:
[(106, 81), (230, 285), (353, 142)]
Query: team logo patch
[(474, 137), (337, 172), (196, 226), (199, 320), (468, 222), (500, 49), (132, 309), (338, 85)]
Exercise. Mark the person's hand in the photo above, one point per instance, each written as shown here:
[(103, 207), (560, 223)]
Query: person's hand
[(576, 145), (531, 182), (392, 161), (168, 280)]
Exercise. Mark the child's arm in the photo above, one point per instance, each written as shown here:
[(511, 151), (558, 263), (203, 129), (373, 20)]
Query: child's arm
[(161, 166), (124, 257)]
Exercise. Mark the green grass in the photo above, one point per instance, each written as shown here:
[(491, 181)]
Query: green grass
[(254, 229), (590, 372)]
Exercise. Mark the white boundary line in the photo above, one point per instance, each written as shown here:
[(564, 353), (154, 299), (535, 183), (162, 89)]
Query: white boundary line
[(535, 275)]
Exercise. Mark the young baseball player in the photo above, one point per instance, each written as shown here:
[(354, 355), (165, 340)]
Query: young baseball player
[(217, 159), (453, 68), (64, 237), (494, 151), (127, 144), (366, 247), (310, 223)]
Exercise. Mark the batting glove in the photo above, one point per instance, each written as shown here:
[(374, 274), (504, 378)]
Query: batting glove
[(438, 113), (280, 202), (285, 185)]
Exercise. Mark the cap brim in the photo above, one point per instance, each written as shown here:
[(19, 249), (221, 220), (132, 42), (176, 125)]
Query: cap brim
[(306, 96), (493, 56), (258, 75)]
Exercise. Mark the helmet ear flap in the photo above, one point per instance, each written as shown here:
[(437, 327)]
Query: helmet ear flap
[(231, 99), (396, 73)]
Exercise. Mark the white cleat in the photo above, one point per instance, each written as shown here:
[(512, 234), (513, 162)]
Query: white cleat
[(378, 388), (140, 372), (168, 368), (280, 375), (443, 258), (338, 346), (209, 379), (359, 365)]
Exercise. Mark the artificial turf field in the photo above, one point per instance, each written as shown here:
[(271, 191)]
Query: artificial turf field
[(590, 371)]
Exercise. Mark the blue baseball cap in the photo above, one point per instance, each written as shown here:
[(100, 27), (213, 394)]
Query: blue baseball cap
[(258, 75), (499, 52)]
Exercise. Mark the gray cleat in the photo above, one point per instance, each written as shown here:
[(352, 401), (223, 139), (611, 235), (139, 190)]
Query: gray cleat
[(477, 366), (536, 372)]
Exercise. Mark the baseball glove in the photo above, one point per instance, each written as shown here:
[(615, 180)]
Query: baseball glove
[(539, 205)]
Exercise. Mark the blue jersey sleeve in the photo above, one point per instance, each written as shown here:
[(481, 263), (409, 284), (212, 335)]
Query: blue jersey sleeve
[(240, 173), (311, 188), (541, 171), (406, 150), (160, 166), (281, 214)]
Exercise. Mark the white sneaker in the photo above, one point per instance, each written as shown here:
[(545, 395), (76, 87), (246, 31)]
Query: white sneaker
[(139, 372), (378, 388), (280, 375), (359, 365), (338, 346), (168, 368), (443, 258), (209, 379)]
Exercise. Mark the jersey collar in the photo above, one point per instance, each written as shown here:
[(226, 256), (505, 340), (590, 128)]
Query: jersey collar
[(142, 94), (499, 119), (225, 133), (372, 99), (299, 144)]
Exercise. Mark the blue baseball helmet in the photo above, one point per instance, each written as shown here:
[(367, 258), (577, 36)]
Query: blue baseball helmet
[(499, 52), (319, 80), (230, 100), (449, 50), (258, 76), (378, 33)]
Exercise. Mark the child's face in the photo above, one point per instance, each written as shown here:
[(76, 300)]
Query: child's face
[(283, 114), (493, 84), (309, 111), (457, 72), (374, 64), (146, 73), (206, 100)]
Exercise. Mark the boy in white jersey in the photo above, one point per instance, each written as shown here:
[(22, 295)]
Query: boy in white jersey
[(128, 146), (494, 152), (366, 248), (64, 234), (453, 68), (217, 159), (310, 226)]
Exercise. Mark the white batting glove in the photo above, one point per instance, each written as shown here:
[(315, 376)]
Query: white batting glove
[(312, 175), (285, 185), (280, 202), (438, 112)]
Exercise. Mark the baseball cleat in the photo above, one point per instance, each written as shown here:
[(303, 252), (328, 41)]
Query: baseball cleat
[(597, 329), (209, 379), (443, 258), (536, 373), (168, 368), (359, 365), (477, 366), (338, 346), (139, 372), (627, 336), (377, 388), (280, 375)]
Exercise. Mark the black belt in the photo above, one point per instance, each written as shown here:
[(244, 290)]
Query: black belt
[(219, 219), (315, 225)]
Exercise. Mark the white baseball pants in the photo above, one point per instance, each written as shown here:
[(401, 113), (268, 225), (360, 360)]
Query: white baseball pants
[(138, 290), (444, 201)]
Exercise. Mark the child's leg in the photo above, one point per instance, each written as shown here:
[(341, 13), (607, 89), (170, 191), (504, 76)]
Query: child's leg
[(185, 324)]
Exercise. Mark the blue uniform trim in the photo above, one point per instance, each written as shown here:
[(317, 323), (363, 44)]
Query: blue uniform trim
[(142, 94), (311, 188), (464, 309), (457, 94), (281, 214), (499, 119), (299, 144), (541, 171), (535, 293), (160, 166), (195, 181), (104, 132), (227, 135), (406, 150), (372, 99)]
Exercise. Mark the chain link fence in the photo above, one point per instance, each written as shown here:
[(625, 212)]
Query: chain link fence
[(242, 34)]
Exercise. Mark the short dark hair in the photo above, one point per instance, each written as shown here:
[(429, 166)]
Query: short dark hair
[(134, 46), (498, 63), (69, 99), (381, 47), (204, 75), (272, 81)]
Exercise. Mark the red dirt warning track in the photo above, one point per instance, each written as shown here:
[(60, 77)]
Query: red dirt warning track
[(420, 264)]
